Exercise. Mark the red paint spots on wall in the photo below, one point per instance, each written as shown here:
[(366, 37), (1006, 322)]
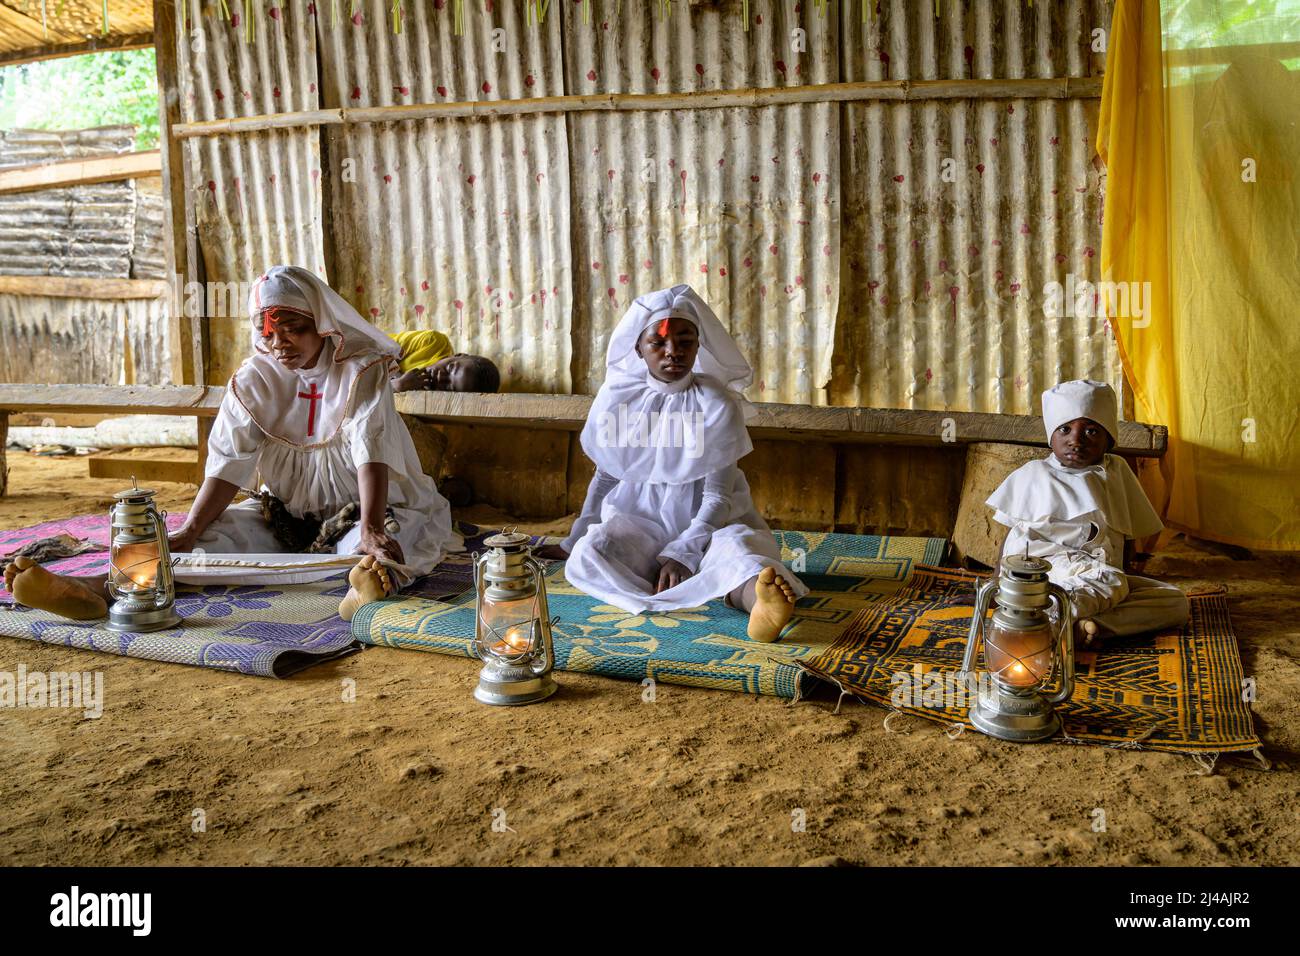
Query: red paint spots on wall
[(596, 266), (722, 271), (487, 87), (1089, 252), (424, 285), (528, 80), (275, 92), (826, 250), (1024, 228), (419, 310), (357, 19), (612, 293), (360, 289), (780, 67), (458, 304), (622, 278), (753, 179), (704, 267), (699, 69), (610, 174), (748, 262), (1015, 287), (220, 96), (470, 179), (646, 263), (311, 88), (539, 176), (374, 313), (387, 178), (968, 54), (274, 13), (234, 19), (356, 92), (402, 90), (654, 72), (772, 248), (442, 90), (591, 75), (1055, 141), (817, 178)]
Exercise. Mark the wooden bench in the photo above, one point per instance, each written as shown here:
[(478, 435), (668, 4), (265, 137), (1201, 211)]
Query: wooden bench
[(862, 470)]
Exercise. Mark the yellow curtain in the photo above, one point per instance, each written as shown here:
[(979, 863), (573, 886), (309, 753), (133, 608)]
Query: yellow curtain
[(1198, 130)]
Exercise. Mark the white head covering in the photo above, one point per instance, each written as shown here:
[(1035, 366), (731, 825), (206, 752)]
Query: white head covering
[(306, 407), (644, 430), (1082, 398)]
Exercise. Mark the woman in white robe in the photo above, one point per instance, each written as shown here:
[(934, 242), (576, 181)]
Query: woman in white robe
[(309, 419), (668, 522)]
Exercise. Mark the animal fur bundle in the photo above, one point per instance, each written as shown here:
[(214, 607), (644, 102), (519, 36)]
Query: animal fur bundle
[(312, 534)]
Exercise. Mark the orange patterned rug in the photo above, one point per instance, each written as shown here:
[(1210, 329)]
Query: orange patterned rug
[(1182, 692)]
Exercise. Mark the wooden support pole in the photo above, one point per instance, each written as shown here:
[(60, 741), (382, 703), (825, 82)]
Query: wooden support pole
[(4, 439), (176, 211)]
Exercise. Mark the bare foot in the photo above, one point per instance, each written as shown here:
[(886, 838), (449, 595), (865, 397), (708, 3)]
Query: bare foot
[(1086, 632), (32, 585), (370, 581), (773, 605)]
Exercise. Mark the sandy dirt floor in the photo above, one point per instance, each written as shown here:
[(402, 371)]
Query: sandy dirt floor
[(286, 772)]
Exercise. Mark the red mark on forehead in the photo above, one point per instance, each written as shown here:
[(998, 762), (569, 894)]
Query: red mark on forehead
[(267, 323), (662, 328)]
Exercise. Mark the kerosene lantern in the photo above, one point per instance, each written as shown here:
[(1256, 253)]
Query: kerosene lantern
[(1023, 649), (512, 633), (140, 565)]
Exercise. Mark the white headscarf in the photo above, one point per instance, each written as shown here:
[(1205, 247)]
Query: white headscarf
[(306, 407), (1082, 398), (691, 427)]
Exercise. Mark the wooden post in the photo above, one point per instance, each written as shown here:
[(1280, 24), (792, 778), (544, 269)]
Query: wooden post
[(4, 438), (177, 214)]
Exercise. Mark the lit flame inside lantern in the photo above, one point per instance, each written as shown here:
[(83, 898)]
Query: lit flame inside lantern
[(137, 565), (515, 641), (1019, 658)]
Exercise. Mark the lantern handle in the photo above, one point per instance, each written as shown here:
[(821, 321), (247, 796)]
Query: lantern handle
[(1064, 641), (543, 617), (165, 583), (984, 595), (480, 646)]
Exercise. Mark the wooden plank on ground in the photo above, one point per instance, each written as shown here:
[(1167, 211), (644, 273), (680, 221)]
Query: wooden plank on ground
[(144, 470), (80, 172)]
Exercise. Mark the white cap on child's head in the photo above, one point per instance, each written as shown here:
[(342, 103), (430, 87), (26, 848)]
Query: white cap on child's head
[(1082, 398)]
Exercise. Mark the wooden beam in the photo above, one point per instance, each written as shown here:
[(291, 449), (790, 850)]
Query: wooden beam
[(569, 413), (69, 287), (176, 213), (30, 54), (1064, 87), (113, 399), (783, 422), (1210, 55), (80, 172)]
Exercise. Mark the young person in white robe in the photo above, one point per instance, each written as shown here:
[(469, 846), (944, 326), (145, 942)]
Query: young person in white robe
[(1081, 509), (309, 419), (668, 522)]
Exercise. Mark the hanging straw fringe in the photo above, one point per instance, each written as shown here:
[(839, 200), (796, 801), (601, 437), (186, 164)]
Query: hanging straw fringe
[(889, 718), (1136, 742), (1204, 764)]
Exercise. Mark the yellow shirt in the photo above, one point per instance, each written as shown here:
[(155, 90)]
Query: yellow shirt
[(421, 349)]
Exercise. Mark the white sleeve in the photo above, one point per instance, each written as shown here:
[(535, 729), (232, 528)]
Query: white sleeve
[(601, 485), (234, 444), (715, 506), (376, 427)]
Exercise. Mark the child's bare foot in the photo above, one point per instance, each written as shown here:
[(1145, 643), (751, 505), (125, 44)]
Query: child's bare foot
[(1086, 633), (32, 585), (370, 581), (773, 605)]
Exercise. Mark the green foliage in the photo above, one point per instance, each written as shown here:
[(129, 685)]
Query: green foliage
[(76, 92)]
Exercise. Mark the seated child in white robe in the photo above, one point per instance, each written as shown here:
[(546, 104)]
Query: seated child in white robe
[(668, 522), (1080, 508), (309, 419)]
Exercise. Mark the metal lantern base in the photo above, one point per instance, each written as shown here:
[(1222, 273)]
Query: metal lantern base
[(1022, 719), (510, 686), (123, 617)]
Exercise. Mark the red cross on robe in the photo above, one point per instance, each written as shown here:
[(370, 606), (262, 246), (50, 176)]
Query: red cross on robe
[(313, 397)]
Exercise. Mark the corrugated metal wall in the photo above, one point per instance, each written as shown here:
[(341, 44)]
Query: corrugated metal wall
[(74, 230), (104, 230), (54, 340), (943, 280), (256, 196), (460, 225), (921, 293)]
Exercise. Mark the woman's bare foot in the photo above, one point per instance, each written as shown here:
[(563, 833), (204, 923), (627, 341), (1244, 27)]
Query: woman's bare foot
[(1086, 633), (773, 605), (32, 585), (370, 581)]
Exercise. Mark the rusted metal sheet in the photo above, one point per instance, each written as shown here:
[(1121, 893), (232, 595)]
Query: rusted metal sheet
[(959, 213), (69, 231), (457, 225), (256, 196), (55, 340), (743, 204)]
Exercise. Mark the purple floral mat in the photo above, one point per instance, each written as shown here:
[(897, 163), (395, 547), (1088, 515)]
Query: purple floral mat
[(249, 629)]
